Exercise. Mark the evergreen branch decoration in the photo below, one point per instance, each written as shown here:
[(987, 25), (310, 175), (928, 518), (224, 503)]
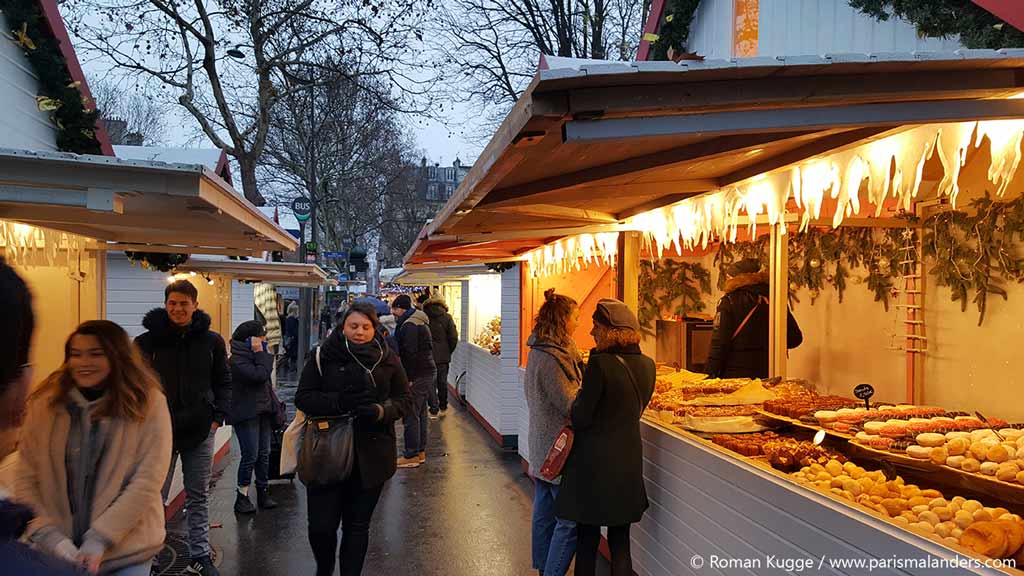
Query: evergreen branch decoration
[(978, 252), (59, 93), (675, 28), (158, 261), (671, 286), (976, 27)]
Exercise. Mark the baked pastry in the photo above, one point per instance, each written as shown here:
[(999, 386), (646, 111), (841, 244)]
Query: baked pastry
[(939, 455), (874, 427), (989, 468), (955, 461), (1020, 477), (1011, 433), (919, 452), (979, 450), (826, 416), (958, 446), (1014, 536), (930, 439), (958, 434), (963, 519), (970, 465), (986, 538), (1020, 453), (880, 443), (1007, 472), (997, 454)]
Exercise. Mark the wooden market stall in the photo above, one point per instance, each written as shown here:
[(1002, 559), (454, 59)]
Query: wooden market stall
[(602, 167)]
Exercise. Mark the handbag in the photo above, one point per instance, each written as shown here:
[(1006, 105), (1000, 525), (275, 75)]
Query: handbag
[(327, 453), (280, 411), (558, 454)]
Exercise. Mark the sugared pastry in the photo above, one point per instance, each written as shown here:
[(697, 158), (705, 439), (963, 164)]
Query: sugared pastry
[(939, 455), (1014, 535), (997, 454), (919, 452), (986, 538), (989, 468), (1020, 477), (1007, 472), (958, 434), (880, 443), (1011, 433), (894, 430), (955, 461), (931, 440), (864, 437), (963, 519), (958, 446), (977, 435), (841, 427), (979, 450), (826, 416), (1020, 453), (970, 465)]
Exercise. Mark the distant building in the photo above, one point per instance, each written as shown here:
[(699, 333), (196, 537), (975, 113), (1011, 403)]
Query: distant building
[(438, 183)]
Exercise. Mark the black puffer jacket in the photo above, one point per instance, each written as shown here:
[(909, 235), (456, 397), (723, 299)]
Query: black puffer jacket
[(193, 367), (19, 558), (746, 354), (415, 344), (250, 382), (324, 393), (442, 330)]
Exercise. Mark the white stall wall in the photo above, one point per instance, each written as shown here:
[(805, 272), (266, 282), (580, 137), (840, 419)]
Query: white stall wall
[(711, 30), (132, 291), (484, 302), (243, 304), (513, 399), (22, 125)]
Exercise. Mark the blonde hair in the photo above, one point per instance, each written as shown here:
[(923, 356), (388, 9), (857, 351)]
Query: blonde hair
[(293, 309), (553, 317), (608, 337)]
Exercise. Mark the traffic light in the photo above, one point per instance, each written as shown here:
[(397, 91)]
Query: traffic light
[(357, 258)]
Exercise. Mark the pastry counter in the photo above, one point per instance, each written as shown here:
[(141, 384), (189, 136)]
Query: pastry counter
[(760, 503)]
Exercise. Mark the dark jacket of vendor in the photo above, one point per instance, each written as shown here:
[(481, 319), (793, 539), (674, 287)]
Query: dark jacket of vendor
[(739, 345)]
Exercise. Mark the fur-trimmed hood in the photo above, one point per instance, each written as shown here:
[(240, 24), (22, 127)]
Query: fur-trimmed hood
[(435, 308), (744, 280), (159, 323)]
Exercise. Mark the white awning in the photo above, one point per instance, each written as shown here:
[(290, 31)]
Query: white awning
[(277, 273), (140, 205)]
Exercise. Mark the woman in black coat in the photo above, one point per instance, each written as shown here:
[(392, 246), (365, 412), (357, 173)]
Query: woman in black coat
[(252, 412), (602, 481), (357, 373)]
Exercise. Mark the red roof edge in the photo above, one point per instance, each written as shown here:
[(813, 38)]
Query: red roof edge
[(224, 167), (60, 32), (1010, 11), (650, 27)]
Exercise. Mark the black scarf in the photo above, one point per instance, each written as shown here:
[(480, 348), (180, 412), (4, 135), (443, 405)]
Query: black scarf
[(340, 349)]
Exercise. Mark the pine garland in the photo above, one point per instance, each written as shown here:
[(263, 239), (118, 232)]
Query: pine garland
[(59, 93), (158, 261), (672, 285), (976, 27), (675, 28)]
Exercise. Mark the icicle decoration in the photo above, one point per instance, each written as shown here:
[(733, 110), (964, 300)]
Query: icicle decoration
[(574, 253), (891, 167)]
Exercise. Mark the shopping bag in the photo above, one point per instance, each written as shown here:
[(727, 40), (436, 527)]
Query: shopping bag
[(290, 444)]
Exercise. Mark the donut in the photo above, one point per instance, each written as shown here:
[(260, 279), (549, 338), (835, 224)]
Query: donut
[(989, 468), (978, 435), (997, 422), (880, 443), (997, 454), (874, 427), (955, 461), (825, 416), (919, 452), (958, 434), (841, 427), (894, 430), (851, 417), (958, 446), (863, 437), (939, 455), (920, 427), (1011, 433), (931, 440)]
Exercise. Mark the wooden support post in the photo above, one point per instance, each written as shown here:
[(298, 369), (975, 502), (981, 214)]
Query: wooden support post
[(628, 270), (778, 302)]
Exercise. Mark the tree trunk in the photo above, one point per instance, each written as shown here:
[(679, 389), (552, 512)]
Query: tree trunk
[(597, 46), (247, 166)]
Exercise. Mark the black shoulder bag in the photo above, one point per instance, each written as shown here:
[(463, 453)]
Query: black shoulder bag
[(327, 451)]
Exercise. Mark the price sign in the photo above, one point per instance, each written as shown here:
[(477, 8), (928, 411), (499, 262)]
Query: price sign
[(864, 392), (302, 208)]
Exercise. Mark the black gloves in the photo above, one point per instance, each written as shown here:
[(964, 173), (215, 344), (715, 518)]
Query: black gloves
[(373, 412)]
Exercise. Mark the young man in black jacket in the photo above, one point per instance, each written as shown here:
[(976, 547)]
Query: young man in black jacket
[(739, 344), (412, 332), (191, 361), (16, 326), (445, 338)]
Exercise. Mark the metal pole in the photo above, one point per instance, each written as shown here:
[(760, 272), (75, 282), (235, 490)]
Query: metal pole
[(778, 302)]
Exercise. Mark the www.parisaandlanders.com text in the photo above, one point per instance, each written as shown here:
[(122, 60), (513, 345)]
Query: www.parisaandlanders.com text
[(812, 565)]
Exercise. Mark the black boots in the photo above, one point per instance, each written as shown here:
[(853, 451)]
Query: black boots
[(243, 505), (264, 499)]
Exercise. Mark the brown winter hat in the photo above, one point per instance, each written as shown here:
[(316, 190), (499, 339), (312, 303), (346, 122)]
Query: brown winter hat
[(616, 314)]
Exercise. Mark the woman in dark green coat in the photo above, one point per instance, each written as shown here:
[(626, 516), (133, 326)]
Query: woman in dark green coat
[(603, 482)]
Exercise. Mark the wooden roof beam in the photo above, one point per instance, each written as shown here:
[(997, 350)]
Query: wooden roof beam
[(558, 212)]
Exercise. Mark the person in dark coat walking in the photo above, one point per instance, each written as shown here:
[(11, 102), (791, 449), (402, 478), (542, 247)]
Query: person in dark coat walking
[(252, 412), (415, 346), (17, 324), (192, 363), (445, 337), (357, 373), (602, 481), (739, 343)]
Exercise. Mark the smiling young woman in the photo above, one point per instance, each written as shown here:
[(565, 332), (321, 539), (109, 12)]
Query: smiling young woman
[(107, 516)]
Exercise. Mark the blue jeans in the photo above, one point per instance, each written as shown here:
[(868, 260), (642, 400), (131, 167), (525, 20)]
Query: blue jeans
[(554, 539), (196, 467), (416, 423), (254, 444), (136, 570)]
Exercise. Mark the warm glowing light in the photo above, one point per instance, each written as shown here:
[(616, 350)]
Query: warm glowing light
[(171, 279), (871, 174), (574, 253)]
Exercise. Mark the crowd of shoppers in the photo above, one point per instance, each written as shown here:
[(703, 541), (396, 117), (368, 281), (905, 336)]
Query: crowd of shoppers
[(415, 347)]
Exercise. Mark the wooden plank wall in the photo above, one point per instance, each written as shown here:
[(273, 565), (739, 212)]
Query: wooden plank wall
[(704, 504)]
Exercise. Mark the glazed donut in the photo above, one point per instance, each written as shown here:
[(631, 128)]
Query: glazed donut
[(919, 452), (931, 440)]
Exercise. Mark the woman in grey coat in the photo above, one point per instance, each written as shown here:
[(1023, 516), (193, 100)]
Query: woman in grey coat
[(554, 370)]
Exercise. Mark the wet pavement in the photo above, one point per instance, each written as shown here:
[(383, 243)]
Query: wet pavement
[(465, 512)]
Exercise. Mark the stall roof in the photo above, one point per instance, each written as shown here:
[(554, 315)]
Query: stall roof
[(137, 204), (279, 273), (592, 143), (424, 276)]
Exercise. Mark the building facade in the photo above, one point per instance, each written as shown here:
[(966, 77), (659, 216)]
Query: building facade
[(438, 183)]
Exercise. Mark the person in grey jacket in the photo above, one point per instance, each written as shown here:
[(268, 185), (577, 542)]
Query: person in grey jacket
[(554, 370)]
